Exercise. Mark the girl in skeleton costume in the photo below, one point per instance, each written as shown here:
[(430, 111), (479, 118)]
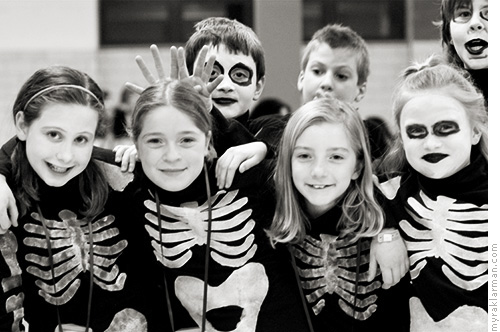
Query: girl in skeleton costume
[(440, 195), (327, 209), (194, 226), (71, 264), (464, 34)]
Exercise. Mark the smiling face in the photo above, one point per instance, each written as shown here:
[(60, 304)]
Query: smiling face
[(323, 165), (172, 148), (236, 93), (331, 72), (59, 143), (437, 135), (469, 34)]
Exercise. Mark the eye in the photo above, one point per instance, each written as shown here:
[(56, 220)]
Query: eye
[(154, 142), (216, 72), (187, 140), (336, 157), (416, 131), (54, 135), (342, 77), (240, 75), (484, 13), (445, 128), (302, 156), (317, 71), (462, 15), (81, 140)]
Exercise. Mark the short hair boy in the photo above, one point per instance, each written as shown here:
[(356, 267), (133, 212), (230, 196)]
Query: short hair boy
[(239, 56)]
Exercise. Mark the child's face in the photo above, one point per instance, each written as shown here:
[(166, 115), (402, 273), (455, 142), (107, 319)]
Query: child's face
[(323, 165), (171, 148), (240, 88), (437, 135), (469, 34), (331, 72), (59, 143)]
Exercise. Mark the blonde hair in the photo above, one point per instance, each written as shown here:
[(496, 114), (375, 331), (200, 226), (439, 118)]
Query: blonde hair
[(362, 216), (434, 75)]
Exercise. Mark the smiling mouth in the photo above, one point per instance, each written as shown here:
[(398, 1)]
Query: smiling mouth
[(224, 101), (434, 158), (317, 186), (57, 169), (476, 46), (172, 171)]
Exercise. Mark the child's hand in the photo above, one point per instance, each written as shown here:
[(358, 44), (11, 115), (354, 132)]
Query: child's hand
[(127, 154), (242, 158), (8, 208), (155, 52), (392, 257)]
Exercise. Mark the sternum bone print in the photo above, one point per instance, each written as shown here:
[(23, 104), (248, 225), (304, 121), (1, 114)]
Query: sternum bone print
[(70, 240), (444, 220), (186, 226), (329, 261)]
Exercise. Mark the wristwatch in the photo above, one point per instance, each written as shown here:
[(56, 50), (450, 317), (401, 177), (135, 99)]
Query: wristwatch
[(388, 236)]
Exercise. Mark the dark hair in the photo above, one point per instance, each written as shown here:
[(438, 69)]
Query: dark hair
[(92, 182), (237, 37), (447, 11), (269, 106)]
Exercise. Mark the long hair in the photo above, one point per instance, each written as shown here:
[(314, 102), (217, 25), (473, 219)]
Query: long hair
[(180, 95), (362, 216), (434, 76), (236, 36), (92, 182)]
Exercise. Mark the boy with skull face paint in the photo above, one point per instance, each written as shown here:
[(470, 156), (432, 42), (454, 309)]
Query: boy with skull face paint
[(439, 194)]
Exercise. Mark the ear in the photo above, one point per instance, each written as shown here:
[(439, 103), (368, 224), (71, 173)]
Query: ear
[(357, 171), (21, 127), (300, 80), (207, 143), (361, 93), (259, 88), (476, 136)]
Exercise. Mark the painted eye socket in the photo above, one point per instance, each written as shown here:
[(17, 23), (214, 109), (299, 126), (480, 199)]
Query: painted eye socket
[(445, 128), (240, 75), (464, 14), (216, 71), (416, 131)]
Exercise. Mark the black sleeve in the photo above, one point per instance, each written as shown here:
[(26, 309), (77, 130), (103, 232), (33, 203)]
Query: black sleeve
[(5, 154), (228, 132), (11, 294)]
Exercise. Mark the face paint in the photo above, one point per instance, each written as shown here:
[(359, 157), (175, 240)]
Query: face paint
[(239, 73), (438, 136), (440, 129)]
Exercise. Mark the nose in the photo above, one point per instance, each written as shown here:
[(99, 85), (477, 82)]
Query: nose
[(226, 84), (170, 153), (476, 22), (432, 142), (318, 169), (65, 152), (327, 83)]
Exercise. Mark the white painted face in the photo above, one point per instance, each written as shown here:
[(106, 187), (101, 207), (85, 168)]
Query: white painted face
[(437, 135), (59, 143), (331, 73), (323, 165), (172, 148), (237, 92), (469, 34)]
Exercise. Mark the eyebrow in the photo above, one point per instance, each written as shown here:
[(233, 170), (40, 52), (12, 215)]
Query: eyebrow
[(340, 148), (65, 131)]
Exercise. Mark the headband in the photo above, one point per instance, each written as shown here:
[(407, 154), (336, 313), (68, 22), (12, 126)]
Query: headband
[(61, 86)]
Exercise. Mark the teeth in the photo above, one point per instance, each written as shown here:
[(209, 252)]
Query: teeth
[(318, 187), (58, 169)]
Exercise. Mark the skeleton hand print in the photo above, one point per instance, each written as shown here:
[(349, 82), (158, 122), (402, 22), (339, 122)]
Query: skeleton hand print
[(69, 241), (186, 226), (443, 220), (331, 257)]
